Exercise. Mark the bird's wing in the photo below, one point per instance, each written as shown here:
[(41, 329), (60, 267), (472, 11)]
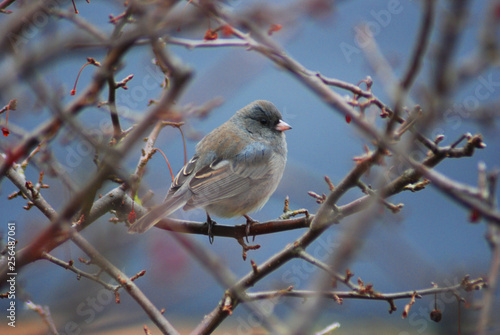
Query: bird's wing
[(171, 203), (223, 178), (182, 176), (156, 214)]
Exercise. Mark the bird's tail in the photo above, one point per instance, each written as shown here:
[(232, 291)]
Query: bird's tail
[(156, 214)]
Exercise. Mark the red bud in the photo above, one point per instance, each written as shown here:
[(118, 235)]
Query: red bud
[(132, 216)]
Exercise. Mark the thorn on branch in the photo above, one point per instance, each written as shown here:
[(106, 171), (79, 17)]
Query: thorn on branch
[(283, 291), (337, 299), (367, 157), (255, 269), (473, 142), (477, 142), (368, 190), (24, 164), (287, 213), (319, 198), (40, 181), (246, 247), (467, 136), (384, 113), (123, 83), (473, 285), (84, 261), (29, 205), (348, 276), (31, 188), (417, 186), (394, 208), (331, 187), (14, 195), (274, 28), (406, 310), (365, 290), (368, 81), (81, 220), (138, 275), (392, 306), (287, 204), (438, 139), (227, 307), (117, 295)]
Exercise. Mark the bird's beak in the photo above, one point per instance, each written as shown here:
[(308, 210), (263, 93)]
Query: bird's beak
[(282, 126)]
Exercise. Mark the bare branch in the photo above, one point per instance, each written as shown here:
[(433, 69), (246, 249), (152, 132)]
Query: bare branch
[(129, 286)]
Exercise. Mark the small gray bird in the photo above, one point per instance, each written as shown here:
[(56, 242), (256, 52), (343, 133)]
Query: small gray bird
[(235, 169)]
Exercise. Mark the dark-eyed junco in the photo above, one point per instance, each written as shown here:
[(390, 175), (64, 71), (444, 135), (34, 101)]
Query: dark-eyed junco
[(235, 169)]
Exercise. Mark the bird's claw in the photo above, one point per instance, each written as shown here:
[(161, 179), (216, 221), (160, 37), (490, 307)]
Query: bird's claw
[(210, 223), (249, 224)]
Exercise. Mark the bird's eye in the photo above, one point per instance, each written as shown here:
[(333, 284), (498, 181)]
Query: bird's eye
[(264, 121)]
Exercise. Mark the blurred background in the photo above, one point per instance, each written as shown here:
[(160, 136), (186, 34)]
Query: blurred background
[(430, 240)]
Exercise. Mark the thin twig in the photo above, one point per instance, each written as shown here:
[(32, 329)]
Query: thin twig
[(44, 313), (115, 120), (343, 279), (155, 315), (420, 46), (70, 266), (336, 295), (493, 237)]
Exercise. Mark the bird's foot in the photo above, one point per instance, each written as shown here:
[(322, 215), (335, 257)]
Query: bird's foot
[(210, 223), (250, 222)]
